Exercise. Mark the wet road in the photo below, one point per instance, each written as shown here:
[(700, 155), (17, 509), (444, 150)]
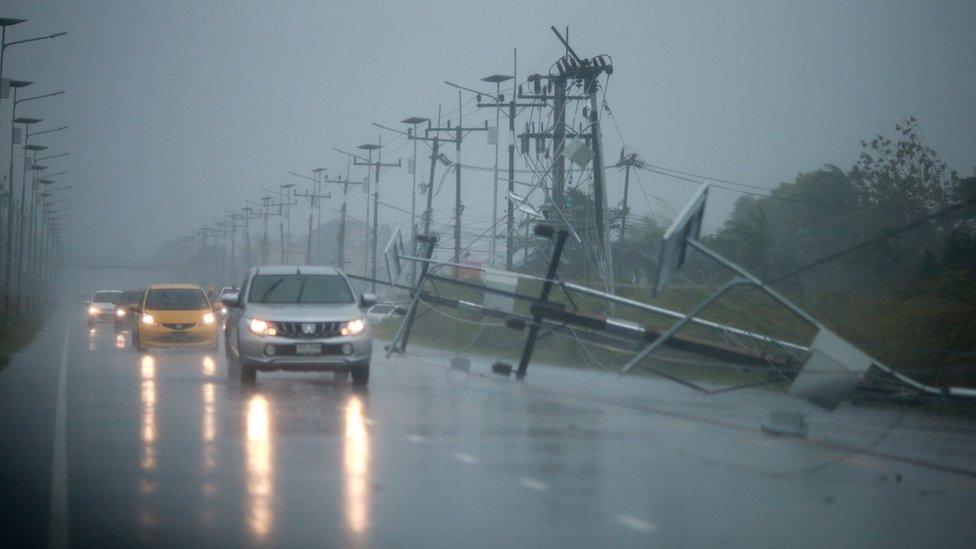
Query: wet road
[(163, 449)]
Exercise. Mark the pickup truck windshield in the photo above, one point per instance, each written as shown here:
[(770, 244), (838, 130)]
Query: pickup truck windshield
[(298, 288)]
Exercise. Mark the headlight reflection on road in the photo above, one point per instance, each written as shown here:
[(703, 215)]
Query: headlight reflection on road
[(260, 468), (120, 341), (209, 366), (208, 433), (148, 398), (147, 462), (92, 339), (356, 467)]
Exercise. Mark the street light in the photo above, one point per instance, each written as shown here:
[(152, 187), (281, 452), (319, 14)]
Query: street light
[(496, 79), (21, 237), (8, 22), (33, 230), (15, 84)]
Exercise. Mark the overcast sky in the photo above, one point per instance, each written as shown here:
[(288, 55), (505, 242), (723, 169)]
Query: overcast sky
[(179, 110)]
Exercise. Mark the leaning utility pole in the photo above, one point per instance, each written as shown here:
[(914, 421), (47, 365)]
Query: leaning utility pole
[(370, 147), (458, 137)]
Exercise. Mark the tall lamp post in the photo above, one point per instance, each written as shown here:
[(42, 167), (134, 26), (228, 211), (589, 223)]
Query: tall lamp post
[(15, 84), (8, 22), (496, 79), (32, 229), (21, 236)]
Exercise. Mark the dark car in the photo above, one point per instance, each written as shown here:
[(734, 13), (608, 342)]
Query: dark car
[(124, 316)]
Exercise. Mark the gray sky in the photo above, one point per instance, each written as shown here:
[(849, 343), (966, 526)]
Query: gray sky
[(178, 110)]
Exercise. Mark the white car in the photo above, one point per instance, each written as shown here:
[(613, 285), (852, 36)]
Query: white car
[(101, 306), (382, 311)]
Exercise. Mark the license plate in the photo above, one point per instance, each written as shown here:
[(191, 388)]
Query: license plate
[(308, 348)]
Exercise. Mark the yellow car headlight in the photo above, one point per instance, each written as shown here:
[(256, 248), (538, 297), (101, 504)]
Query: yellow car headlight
[(148, 319), (353, 327), (261, 327), (209, 318)]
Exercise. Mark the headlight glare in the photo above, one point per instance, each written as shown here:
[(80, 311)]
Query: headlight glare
[(120, 313), (261, 327), (208, 318), (353, 327), (148, 319), (92, 311)]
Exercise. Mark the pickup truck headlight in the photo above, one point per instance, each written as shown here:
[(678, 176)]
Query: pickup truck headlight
[(353, 327), (261, 327), (92, 311)]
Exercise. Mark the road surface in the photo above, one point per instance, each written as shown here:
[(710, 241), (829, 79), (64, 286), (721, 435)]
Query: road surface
[(102, 445)]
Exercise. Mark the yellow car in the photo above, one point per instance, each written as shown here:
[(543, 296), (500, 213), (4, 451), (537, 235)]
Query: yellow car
[(175, 315)]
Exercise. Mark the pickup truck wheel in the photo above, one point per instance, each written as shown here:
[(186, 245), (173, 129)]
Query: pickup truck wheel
[(360, 375)]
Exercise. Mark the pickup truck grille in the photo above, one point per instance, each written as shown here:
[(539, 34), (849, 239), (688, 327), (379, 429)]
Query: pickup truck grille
[(308, 329)]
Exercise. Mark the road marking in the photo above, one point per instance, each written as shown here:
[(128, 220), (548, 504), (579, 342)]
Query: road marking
[(533, 484), (57, 535), (465, 458), (416, 438), (635, 523)]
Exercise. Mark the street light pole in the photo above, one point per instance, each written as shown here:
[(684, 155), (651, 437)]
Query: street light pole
[(23, 214), (8, 256)]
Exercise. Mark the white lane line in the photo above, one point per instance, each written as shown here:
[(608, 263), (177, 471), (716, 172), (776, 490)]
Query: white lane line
[(635, 523), (57, 535), (465, 458), (533, 484)]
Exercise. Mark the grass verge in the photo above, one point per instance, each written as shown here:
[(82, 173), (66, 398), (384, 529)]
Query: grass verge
[(16, 333)]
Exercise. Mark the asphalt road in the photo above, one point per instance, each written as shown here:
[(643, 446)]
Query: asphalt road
[(102, 445)]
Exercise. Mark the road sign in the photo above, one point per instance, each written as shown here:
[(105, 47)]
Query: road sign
[(674, 243), (832, 370), (392, 255)]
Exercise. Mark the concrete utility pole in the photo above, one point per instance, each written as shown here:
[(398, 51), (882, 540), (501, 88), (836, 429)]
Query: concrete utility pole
[(247, 215), (434, 157), (458, 137), (495, 139), (319, 175), (266, 204), (588, 71), (341, 235), (284, 205), (627, 161), (412, 121), (313, 199), (370, 147)]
